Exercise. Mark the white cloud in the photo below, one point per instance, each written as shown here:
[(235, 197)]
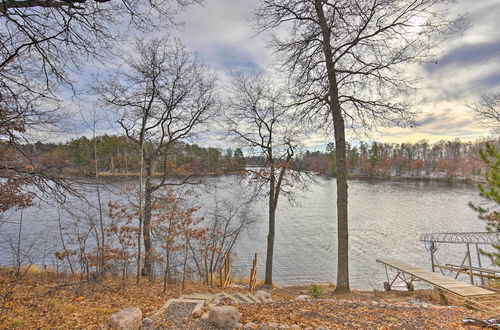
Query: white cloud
[(221, 33)]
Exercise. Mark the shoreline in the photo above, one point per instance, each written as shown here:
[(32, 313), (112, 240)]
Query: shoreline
[(351, 176)]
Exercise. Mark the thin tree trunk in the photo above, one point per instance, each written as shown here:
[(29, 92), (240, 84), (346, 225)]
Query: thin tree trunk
[(20, 230), (167, 269), (342, 284), (100, 255), (268, 280), (185, 264), (62, 241)]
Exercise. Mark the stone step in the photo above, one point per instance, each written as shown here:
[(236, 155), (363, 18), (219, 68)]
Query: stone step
[(239, 298), (206, 297), (255, 298), (161, 311), (221, 295), (244, 297)]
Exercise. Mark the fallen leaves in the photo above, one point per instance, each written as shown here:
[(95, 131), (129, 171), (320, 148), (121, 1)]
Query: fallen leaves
[(85, 306), (38, 305), (342, 314)]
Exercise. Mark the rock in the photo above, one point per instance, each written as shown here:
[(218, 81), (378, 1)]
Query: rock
[(250, 325), (415, 302), (238, 325), (211, 305), (295, 326), (262, 326), (273, 325), (284, 326), (224, 316), (126, 319), (320, 328), (146, 323), (475, 323), (263, 294), (198, 312), (302, 297), (204, 316)]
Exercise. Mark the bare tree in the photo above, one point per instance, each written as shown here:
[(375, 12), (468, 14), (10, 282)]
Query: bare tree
[(162, 95), (346, 60), (43, 43), (225, 220), (487, 110), (258, 118)]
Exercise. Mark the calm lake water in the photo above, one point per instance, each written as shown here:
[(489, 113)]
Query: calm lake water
[(386, 220)]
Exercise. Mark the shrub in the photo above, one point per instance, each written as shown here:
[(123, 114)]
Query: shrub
[(316, 290)]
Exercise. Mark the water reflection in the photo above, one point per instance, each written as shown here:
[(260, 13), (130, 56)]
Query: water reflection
[(386, 220)]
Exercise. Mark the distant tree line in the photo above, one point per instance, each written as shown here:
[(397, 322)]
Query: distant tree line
[(441, 160), (115, 154)]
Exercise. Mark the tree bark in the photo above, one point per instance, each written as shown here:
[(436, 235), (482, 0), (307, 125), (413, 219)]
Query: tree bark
[(272, 226), (146, 225), (342, 285)]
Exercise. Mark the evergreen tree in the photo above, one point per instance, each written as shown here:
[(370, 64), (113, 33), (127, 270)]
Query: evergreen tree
[(374, 154), (490, 190), (330, 149), (239, 158)]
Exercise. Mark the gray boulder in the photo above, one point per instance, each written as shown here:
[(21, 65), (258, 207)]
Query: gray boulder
[(126, 319), (224, 316), (146, 323), (263, 294), (302, 297)]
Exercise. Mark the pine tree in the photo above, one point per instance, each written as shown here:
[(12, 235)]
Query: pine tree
[(490, 190)]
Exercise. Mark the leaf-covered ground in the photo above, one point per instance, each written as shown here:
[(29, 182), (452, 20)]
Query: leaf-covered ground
[(39, 301), (342, 314)]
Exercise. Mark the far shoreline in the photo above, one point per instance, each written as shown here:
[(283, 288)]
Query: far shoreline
[(352, 176)]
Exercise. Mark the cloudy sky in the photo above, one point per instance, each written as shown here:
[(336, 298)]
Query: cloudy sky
[(468, 64)]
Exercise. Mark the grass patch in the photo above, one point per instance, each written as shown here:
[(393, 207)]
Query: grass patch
[(17, 322), (316, 290)]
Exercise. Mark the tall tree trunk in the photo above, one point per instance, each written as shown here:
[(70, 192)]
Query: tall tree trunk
[(342, 285), (100, 245), (270, 236), (146, 225), (141, 216)]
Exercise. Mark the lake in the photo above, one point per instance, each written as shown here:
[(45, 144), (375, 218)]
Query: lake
[(386, 219)]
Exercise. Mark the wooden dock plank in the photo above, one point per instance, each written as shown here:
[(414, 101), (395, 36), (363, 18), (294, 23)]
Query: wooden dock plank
[(443, 282)]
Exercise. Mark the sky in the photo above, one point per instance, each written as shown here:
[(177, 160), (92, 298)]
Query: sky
[(467, 64)]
